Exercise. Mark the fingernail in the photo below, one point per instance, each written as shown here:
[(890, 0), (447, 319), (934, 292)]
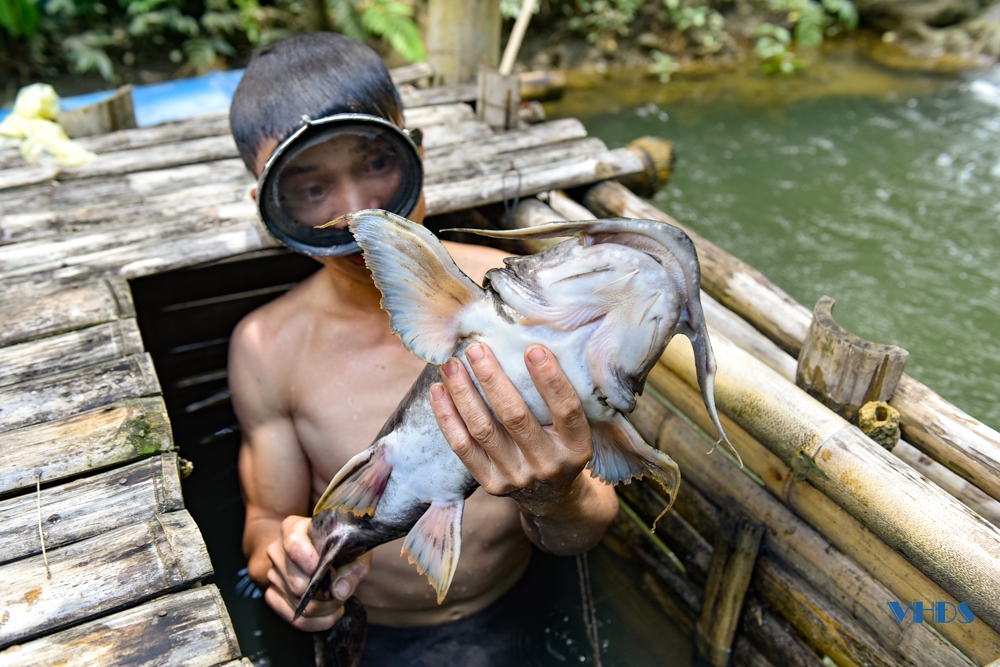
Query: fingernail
[(450, 367), (475, 352), (437, 391), (342, 590), (536, 356)]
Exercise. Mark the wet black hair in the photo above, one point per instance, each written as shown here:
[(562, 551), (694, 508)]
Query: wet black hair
[(314, 74)]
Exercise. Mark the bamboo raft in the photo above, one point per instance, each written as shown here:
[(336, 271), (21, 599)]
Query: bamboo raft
[(789, 561)]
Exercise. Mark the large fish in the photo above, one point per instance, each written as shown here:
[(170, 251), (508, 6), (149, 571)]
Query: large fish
[(605, 303)]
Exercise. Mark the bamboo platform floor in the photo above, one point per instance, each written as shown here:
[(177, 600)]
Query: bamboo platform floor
[(101, 562)]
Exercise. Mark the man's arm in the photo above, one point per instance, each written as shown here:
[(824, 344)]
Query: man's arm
[(276, 479), (563, 509)]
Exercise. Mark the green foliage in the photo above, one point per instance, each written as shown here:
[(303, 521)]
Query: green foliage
[(200, 35), (773, 50), (511, 9), (663, 66), (601, 19), (810, 19), (701, 24), (393, 22), (19, 17)]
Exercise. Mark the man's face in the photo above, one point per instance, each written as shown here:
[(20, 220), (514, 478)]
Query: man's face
[(330, 179)]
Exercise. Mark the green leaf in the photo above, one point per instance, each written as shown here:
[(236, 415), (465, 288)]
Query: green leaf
[(19, 17), (391, 21)]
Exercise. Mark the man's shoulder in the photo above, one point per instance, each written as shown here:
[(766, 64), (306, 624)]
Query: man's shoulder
[(277, 325), (475, 260)]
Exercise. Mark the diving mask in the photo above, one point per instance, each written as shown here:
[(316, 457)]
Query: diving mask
[(337, 165)]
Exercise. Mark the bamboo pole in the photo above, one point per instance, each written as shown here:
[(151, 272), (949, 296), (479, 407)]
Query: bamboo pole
[(868, 632), (837, 527), (728, 580), (957, 549), (963, 444)]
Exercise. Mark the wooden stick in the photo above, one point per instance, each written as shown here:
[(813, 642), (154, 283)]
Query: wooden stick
[(960, 442), (41, 534), (516, 37), (728, 581)]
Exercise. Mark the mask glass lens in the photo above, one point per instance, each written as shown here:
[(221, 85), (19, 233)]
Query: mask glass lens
[(335, 167)]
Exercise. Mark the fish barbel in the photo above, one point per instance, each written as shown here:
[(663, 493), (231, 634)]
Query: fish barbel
[(606, 303)]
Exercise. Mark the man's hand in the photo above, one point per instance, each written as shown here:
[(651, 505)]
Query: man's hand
[(541, 467), (293, 561)]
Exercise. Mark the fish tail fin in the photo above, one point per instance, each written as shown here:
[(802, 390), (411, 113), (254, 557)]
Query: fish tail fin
[(423, 290), (358, 486), (321, 577), (434, 543), (620, 454)]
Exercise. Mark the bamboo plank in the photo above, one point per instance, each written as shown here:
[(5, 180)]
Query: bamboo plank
[(411, 73), (84, 443), (460, 126), (99, 575), (187, 629), (948, 435), (130, 252), (48, 312), (439, 95), (89, 506), (530, 158), (533, 136), (840, 529), (68, 393), (35, 205), (442, 114), (447, 197), (154, 196), (65, 352)]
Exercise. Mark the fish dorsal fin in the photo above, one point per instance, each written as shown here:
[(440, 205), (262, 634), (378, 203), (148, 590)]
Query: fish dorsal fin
[(423, 290), (620, 454), (435, 542), (358, 486)]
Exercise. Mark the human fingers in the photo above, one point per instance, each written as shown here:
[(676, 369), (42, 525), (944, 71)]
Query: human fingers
[(479, 421), (569, 421), (319, 606), (297, 544), (508, 405), (457, 434), (348, 577), (314, 619)]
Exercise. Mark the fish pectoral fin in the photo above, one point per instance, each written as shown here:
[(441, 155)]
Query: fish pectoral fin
[(423, 290), (434, 543), (620, 454), (358, 486)]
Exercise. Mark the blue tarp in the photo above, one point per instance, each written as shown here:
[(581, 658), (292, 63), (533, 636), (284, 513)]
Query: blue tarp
[(171, 100)]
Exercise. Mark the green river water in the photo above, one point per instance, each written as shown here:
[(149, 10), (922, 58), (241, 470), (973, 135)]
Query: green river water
[(880, 190)]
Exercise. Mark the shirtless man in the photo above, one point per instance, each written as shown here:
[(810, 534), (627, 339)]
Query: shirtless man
[(315, 374)]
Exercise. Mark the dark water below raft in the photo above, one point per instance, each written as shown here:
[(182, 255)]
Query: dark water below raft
[(881, 190)]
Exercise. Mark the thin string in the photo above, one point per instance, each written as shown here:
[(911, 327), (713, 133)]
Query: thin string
[(589, 609), (508, 209), (41, 535)]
